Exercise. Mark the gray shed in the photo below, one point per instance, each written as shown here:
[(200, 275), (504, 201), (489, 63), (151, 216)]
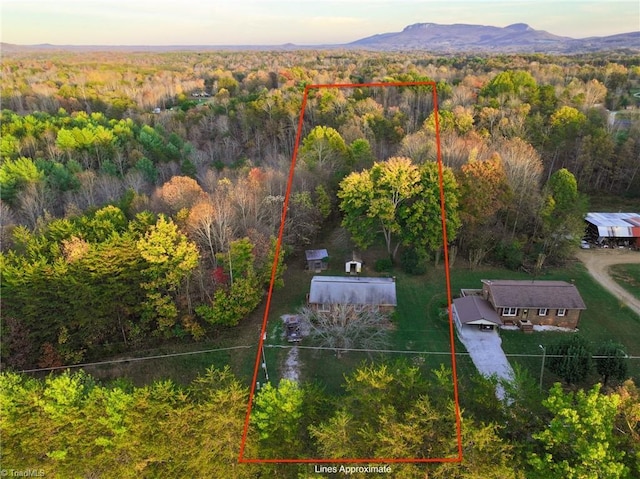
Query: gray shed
[(317, 260)]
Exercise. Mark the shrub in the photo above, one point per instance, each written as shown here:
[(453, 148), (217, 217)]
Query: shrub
[(383, 265), (413, 262), (510, 254), (570, 359)]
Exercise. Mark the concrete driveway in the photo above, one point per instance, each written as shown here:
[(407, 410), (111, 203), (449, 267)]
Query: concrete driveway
[(485, 349)]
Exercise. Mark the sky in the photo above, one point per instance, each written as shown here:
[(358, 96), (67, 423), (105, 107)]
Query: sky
[(303, 22)]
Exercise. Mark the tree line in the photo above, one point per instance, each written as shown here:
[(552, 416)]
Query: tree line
[(69, 424), (100, 283)]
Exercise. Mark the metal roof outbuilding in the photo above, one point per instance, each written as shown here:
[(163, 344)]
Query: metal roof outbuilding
[(353, 290), (615, 225)]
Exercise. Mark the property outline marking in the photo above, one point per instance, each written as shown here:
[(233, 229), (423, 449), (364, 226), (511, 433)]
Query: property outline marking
[(274, 267)]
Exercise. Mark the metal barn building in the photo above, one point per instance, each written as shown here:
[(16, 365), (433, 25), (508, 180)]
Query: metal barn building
[(617, 228)]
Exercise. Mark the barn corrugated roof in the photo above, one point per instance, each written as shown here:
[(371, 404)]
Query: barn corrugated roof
[(616, 225), (534, 294), (613, 219), (352, 290)]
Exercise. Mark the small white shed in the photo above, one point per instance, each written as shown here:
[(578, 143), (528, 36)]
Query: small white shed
[(353, 267)]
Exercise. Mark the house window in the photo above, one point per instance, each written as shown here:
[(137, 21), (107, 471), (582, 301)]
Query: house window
[(562, 312), (543, 311), (324, 308), (509, 311)]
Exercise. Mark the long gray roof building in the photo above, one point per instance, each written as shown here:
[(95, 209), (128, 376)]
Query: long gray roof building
[(353, 290)]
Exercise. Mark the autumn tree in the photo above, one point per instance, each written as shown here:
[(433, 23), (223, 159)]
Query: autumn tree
[(232, 301), (422, 215), (224, 225), (567, 125), (170, 258), (15, 175), (511, 84), (180, 192), (484, 193), (371, 200), (200, 227), (346, 327), (394, 197), (523, 169), (323, 150), (304, 219), (570, 359), (579, 441), (277, 416), (611, 362)]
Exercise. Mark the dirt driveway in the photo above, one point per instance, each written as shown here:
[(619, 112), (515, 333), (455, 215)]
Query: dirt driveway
[(598, 261)]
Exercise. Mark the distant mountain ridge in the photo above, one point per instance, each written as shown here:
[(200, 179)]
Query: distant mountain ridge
[(430, 37), (518, 37)]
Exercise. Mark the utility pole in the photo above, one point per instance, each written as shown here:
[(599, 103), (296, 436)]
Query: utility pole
[(544, 353)]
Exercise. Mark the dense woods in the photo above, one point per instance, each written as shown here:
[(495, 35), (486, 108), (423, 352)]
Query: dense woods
[(69, 424), (141, 195)]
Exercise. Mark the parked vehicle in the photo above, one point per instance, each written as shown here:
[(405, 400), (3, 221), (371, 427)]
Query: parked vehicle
[(292, 329)]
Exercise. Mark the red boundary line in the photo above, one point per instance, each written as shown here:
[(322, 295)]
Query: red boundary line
[(241, 458)]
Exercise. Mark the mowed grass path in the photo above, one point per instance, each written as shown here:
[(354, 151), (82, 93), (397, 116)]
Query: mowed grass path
[(627, 276)]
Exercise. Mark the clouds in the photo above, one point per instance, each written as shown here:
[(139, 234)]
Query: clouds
[(237, 22)]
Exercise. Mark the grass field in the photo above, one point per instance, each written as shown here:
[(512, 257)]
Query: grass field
[(627, 276), (420, 327)]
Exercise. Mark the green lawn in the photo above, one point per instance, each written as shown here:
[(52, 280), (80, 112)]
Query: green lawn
[(421, 327), (627, 276)]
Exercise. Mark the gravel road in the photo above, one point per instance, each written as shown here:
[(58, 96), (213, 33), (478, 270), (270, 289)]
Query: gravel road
[(598, 262)]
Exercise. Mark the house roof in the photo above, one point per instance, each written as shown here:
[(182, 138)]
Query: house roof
[(534, 294), (616, 225), (316, 254), (352, 290), (475, 310)]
